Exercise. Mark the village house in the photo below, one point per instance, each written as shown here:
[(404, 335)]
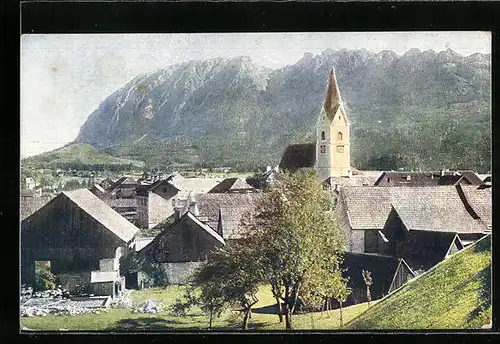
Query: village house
[(428, 178), (202, 222), (387, 273), (373, 217), (155, 202), (82, 238), (182, 247)]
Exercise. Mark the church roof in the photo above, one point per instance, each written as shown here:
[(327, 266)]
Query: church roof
[(332, 97), (298, 156)]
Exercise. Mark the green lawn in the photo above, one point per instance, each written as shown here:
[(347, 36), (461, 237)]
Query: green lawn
[(456, 294), (113, 319)]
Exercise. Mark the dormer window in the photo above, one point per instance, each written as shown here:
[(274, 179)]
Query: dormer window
[(339, 136), (322, 136)]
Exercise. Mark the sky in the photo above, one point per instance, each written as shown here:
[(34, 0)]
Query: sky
[(64, 77)]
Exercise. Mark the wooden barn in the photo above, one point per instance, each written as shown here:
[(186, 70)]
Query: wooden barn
[(182, 247), (387, 273), (81, 237)]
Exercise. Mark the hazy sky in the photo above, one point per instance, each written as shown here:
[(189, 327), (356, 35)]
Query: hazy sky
[(65, 77)]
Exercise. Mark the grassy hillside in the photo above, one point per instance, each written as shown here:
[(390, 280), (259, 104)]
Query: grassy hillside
[(79, 156), (454, 295), (263, 316)]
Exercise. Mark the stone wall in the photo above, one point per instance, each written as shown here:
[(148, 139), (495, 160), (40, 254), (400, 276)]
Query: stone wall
[(179, 273), (357, 241)]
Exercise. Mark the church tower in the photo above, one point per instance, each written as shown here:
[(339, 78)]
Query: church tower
[(333, 156)]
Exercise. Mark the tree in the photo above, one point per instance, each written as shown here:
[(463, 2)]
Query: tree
[(230, 277), (295, 238), (368, 281)]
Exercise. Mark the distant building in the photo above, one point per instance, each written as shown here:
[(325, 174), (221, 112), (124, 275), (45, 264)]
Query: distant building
[(30, 183), (155, 202), (233, 185), (82, 238), (428, 178)]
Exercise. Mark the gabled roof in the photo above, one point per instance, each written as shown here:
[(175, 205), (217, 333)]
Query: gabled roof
[(481, 202), (28, 205), (188, 216), (438, 208), (102, 213), (232, 185), (471, 176), (197, 185), (123, 181), (144, 189), (298, 156)]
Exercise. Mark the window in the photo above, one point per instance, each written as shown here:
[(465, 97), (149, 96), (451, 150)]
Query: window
[(339, 136), (323, 136), (322, 149)]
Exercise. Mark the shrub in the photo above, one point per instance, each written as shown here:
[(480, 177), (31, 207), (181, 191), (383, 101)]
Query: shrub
[(45, 279)]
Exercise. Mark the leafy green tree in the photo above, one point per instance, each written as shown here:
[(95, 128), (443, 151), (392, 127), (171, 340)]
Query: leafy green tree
[(72, 184), (45, 279), (295, 238)]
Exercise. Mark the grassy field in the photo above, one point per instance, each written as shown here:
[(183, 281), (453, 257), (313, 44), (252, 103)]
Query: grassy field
[(456, 294), (114, 319)]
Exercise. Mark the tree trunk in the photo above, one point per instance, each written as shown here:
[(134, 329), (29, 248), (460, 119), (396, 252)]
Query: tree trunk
[(280, 310), (288, 320), (248, 314), (341, 321), (211, 318), (368, 295)]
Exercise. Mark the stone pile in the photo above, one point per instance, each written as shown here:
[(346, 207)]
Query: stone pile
[(57, 301), (149, 307), (123, 302)]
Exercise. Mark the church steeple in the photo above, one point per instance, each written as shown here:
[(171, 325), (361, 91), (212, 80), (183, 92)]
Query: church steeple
[(332, 135), (332, 96)]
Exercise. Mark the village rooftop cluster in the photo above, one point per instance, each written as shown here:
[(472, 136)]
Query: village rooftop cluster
[(398, 224)]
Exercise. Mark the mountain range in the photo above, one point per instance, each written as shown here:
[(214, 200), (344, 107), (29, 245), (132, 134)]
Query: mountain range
[(422, 109)]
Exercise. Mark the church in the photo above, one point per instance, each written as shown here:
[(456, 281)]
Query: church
[(330, 155)]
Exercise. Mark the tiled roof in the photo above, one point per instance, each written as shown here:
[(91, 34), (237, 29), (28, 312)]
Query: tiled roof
[(198, 185), (472, 177), (232, 185), (480, 201), (421, 208), (232, 206), (144, 189), (434, 209), (355, 180), (298, 156), (123, 181), (29, 205), (102, 213)]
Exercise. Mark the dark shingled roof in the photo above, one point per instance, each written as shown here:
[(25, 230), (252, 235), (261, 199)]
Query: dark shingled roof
[(298, 156), (480, 201), (144, 189), (438, 208), (123, 181), (232, 207), (472, 177), (382, 268), (102, 213), (229, 185), (31, 204)]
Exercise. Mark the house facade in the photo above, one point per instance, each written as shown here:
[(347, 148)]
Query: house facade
[(155, 202), (81, 237)]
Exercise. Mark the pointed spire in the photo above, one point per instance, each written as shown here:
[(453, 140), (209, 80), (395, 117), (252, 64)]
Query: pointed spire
[(332, 97)]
